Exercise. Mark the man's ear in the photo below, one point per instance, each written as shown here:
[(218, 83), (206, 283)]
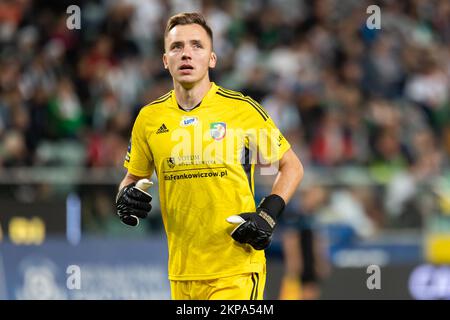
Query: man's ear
[(212, 60), (166, 64)]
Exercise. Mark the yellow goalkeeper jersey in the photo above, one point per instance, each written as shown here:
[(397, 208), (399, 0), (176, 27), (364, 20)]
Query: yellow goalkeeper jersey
[(204, 160)]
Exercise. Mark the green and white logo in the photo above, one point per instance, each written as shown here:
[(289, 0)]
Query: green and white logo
[(218, 130)]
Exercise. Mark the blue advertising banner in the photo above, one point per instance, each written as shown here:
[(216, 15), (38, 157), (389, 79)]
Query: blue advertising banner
[(93, 269)]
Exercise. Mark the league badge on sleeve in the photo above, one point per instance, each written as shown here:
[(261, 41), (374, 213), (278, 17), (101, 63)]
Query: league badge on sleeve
[(218, 130), (127, 156)]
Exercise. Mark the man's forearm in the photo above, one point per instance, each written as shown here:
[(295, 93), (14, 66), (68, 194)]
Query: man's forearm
[(129, 178), (289, 176)]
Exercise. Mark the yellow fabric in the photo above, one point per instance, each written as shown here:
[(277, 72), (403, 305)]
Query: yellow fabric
[(197, 158), (239, 287)]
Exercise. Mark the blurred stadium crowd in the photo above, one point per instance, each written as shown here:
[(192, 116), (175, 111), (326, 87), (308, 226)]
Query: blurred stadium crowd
[(344, 95)]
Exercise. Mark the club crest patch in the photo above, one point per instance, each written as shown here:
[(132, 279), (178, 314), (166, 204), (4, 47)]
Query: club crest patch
[(218, 130)]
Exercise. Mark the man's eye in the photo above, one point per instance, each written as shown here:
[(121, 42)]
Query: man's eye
[(197, 45)]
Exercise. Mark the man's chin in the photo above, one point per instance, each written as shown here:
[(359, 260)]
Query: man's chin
[(187, 82)]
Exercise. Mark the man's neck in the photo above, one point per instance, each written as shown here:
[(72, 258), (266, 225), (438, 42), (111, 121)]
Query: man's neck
[(188, 98)]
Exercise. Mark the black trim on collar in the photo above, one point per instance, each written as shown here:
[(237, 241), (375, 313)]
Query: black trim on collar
[(189, 109)]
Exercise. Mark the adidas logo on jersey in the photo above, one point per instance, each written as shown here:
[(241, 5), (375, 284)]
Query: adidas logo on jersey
[(162, 129)]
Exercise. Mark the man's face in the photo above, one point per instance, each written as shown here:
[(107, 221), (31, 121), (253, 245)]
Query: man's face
[(188, 53)]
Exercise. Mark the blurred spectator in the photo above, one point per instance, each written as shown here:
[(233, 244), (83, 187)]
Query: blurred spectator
[(331, 145), (390, 155), (429, 88), (384, 72), (304, 259), (65, 112), (280, 105), (101, 219), (403, 201), (108, 149), (348, 207), (13, 150)]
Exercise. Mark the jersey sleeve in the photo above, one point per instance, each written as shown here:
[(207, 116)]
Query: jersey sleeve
[(263, 135), (139, 159)]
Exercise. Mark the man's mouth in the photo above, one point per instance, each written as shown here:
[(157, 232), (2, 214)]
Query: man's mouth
[(186, 67)]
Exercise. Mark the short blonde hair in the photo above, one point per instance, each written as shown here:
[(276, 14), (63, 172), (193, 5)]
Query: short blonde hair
[(188, 18)]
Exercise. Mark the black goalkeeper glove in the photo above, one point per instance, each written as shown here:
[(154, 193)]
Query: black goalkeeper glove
[(133, 202), (256, 228)]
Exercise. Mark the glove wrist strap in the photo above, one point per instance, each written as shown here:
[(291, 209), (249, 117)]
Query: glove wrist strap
[(272, 205), (122, 191), (267, 217)]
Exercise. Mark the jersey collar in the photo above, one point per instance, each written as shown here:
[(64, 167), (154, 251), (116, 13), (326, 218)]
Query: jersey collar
[(206, 99)]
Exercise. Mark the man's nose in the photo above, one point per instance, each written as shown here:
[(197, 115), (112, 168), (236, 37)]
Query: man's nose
[(186, 53)]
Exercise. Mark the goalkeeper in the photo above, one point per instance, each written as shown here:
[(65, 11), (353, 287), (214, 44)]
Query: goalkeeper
[(203, 141)]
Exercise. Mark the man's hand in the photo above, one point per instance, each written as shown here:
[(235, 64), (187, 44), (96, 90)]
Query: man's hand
[(256, 228), (133, 202)]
